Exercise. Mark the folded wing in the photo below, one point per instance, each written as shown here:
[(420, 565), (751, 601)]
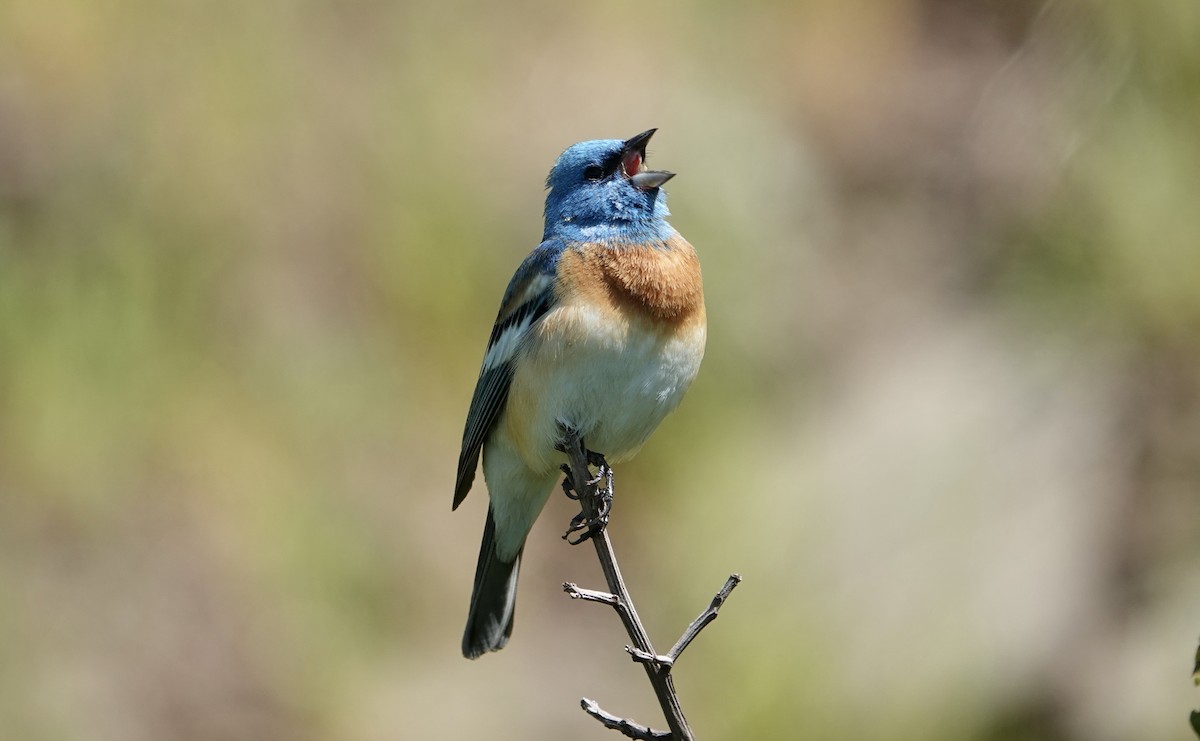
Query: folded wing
[(529, 296)]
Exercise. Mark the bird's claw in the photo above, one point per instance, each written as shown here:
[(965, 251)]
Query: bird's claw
[(590, 525), (568, 483), (579, 523)]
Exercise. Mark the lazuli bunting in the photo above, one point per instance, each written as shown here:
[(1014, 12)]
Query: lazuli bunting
[(601, 330)]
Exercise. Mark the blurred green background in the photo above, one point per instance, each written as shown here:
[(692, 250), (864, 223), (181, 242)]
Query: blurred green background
[(948, 426)]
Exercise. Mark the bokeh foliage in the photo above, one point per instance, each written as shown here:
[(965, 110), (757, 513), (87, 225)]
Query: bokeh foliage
[(948, 427)]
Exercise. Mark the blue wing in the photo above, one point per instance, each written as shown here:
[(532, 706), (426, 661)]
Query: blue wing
[(529, 296)]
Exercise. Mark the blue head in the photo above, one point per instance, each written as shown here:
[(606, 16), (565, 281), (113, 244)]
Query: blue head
[(599, 191)]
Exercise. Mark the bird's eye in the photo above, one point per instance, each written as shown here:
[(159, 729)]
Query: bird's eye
[(595, 172)]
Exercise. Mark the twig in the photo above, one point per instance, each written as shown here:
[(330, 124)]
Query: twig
[(706, 617), (590, 596), (629, 728), (593, 510), (595, 502)]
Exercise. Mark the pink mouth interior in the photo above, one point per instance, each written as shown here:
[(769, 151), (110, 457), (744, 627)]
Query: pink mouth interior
[(632, 163)]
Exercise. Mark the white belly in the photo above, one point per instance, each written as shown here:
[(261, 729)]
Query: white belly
[(612, 381)]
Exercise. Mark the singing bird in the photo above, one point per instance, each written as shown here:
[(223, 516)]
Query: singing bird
[(601, 330)]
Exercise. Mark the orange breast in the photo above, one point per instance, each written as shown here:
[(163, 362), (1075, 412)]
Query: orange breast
[(662, 284)]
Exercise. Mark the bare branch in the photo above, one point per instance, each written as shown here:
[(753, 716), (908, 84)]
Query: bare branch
[(595, 497), (595, 503), (629, 728)]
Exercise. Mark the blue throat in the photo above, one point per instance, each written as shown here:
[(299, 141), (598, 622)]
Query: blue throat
[(634, 216), (648, 232)]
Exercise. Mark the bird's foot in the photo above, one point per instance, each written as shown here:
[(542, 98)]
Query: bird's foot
[(604, 473), (588, 527), (568, 483), (593, 516), (604, 486)]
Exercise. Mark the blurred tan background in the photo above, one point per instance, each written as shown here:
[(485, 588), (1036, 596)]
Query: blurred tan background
[(948, 427)]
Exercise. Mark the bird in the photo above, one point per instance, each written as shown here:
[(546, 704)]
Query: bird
[(601, 330)]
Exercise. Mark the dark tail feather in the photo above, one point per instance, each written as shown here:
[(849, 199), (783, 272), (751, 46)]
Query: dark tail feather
[(490, 619)]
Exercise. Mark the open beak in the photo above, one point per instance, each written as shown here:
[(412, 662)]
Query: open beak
[(633, 158)]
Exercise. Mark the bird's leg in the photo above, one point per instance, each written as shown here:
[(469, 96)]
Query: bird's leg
[(581, 521), (578, 522), (593, 494), (572, 491), (594, 511), (604, 491)]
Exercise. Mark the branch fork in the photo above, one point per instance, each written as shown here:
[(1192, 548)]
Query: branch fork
[(595, 499)]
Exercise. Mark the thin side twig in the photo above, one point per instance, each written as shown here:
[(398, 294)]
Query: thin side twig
[(706, 617), (589, 595), (629, 728)]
